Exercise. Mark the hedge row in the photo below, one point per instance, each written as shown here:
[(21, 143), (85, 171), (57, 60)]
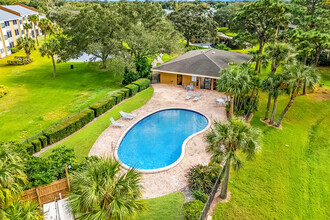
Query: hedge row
[(68, 126), (142, 83), (73, 123)]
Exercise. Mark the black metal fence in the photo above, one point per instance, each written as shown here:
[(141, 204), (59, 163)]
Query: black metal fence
[(211, 196)]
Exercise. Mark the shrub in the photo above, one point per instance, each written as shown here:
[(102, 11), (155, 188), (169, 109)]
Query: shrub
[(29, 148), (129, 77), (43, 141), (36, 144), (119, 97), (103, 105), (202, 177), (125, 92), (222, 47), (143, 83), (133, 89), (200, 195), (68, 126), (3, 90), (14, 49), (193, 209)]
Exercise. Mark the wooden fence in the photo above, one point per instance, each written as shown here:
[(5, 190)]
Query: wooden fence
[(47, 193)]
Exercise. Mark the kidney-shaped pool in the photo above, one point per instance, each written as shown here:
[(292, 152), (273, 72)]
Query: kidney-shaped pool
[(156, 141)]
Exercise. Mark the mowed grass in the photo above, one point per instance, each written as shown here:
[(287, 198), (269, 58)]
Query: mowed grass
[(289, 179), (167, 207), (36, 99), (83, 140)]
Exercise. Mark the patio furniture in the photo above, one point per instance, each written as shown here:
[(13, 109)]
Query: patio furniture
[(191, 86), (189, 95), (114, 123), (219, 101), (126, 115), (198, 95), (185, 86)]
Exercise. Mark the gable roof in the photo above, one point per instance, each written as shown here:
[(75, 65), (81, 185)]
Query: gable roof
[(206, 62), (20, 9), (7, 16)]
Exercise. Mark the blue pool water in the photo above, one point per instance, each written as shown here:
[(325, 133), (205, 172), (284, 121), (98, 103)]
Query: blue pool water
[(156, 141)]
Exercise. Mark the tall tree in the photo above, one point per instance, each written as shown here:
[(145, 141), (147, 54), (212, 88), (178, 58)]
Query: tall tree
[(27, 27), (104, 191), (257, 22), (194, 20), (225, 14), (298, 74), (233, 81), (45, 25), (34, 20), (225, 140), (26, 43)]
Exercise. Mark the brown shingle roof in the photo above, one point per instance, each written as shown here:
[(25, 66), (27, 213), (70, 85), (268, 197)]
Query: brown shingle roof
[(206, 62)]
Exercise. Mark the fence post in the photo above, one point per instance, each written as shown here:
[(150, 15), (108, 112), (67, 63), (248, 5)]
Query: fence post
[(38, 196), (67, 176)]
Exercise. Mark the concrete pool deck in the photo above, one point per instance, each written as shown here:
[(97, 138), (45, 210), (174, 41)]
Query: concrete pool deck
[(167, 96)]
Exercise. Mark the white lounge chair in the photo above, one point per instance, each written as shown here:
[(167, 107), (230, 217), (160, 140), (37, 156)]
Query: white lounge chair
[(127, 115), (198, 95), (219, 101), (189, 95), (191, 86), (114, 123)]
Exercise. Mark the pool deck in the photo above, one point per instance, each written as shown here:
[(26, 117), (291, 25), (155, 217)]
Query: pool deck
[(167, 96)]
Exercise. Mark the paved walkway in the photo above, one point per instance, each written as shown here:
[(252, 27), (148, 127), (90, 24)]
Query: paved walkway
[(167, 96)]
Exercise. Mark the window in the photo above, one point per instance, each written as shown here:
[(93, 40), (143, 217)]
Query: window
[(6, 23), (16, 32), (22, 32), (37, 32), (9, 34), (11, 45), (8, 48), (2, 50), (6, 37), (2, 25), (14, 22), (20, 21), (23, 18)]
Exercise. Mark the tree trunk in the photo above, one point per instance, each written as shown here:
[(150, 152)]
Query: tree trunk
[(35, 33), (268, 106), (27, 55), (304, 88), (259, 53), (317, 56), (274, 110), (304, 60), (224, 187), (231, 111), (54, 67), (187, 44), (45, 36), (251, 104), (293, 96), (277, 31)]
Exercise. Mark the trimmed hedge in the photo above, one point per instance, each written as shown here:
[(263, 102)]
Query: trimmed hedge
[(133, 89), (119, 97), (142, 83), (125, 91), (193, 209), (37, 145), (43, 141), (103, 105), (29, 148), (68, 126)]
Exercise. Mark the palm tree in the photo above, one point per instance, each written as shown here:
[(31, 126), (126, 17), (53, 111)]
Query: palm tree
[(34, 20), (233, 81), (104, 191), (45, 25), (12, 177), (26, 43), (225, 139), (267, 85), (298, 74), (27, 27), (277, 54), (19, 210)]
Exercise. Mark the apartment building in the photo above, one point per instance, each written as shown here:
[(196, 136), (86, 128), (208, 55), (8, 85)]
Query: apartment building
[(12, 19)]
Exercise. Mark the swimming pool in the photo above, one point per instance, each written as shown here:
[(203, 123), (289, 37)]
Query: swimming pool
[(156, 142)]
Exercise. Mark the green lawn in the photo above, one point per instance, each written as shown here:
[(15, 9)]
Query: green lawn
[(167, 207), (36, 99), (226, 31), (287, 182), (83, 140), (167, 57)]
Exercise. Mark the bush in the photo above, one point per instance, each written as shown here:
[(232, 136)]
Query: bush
[(193, 209), (119, 97), (133, 89), (202, 177), (222, 47), (143, 83), (129, 77), (68, 126), (14, 50), (125, 92), (103, 105), (29, 148), (200, 195), (37, 145), (43, 141), (3, 90)]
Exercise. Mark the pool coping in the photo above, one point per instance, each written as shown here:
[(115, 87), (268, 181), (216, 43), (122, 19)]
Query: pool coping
[(182, 147)]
